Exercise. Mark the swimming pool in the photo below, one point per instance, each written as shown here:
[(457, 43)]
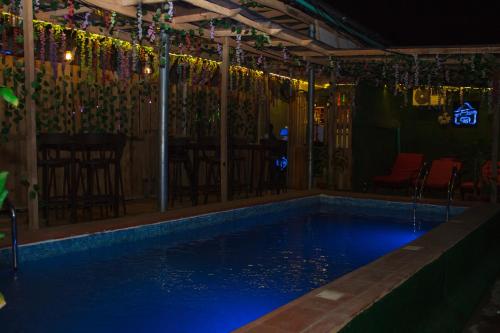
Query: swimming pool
[(212, 273)]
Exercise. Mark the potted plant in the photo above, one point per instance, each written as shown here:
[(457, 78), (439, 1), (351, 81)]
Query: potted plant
[(8, 95), (3, 195)]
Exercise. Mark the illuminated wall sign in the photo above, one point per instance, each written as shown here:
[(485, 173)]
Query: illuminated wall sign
[(465, 115), (284, 131), (281, 163)]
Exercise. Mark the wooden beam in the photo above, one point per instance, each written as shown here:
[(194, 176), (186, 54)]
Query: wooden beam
[(272, 14), (110, 5), (301, 16), (135, 2), (60, 12), (493, 49), (277, 42), (267, 26), (305, 53), (196, 17), (31, 148), (224, 69), (217, 7), (285, 21)]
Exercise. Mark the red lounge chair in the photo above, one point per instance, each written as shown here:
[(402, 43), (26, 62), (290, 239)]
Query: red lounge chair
[(440, 174), (484, 178), (405, 170)]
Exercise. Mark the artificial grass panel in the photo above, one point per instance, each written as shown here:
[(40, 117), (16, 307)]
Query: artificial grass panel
[(442, 295)]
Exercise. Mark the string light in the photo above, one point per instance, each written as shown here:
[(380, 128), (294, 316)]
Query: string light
[(68, 56)]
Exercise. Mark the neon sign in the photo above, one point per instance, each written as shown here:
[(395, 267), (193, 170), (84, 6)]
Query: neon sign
[(281, 163), (465, 115)]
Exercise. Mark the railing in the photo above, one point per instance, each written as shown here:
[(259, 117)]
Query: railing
[(451, 189), (419, 188), (13, 219)]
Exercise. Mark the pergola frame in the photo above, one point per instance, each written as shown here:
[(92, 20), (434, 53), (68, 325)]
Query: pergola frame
[(286, 25)]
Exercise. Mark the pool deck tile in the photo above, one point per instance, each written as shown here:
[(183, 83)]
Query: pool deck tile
[(330, 294), (26, 236), (295, 319), (366, 285), (309, 313)]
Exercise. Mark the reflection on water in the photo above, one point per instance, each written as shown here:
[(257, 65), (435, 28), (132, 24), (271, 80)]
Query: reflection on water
[(214, 280)]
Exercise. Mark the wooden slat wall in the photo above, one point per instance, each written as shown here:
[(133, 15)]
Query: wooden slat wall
[(140, 157)]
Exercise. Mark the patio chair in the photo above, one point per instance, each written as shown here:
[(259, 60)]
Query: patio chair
[(404, 172), (442, 174), (475, 186)]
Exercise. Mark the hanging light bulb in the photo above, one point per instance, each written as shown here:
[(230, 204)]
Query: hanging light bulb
[(68, 56)]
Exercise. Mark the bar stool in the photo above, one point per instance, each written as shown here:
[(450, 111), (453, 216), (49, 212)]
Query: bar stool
[(273, 177), (100, 153), (210, 158), (54, 158), (238, 168), (179, 167)]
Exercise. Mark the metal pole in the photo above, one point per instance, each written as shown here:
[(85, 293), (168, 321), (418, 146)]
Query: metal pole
[(163, 126), (495, 134), (310, 119), (224, 68), (13, 220), (332, 131)]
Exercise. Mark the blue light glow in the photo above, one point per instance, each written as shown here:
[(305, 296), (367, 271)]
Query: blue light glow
[(212, 278), (465, 115), (282, 163), (284, 131)]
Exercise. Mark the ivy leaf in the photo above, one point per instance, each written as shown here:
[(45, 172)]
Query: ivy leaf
[(8, 95)]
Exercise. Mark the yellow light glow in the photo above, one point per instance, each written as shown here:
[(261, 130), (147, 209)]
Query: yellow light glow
[(68, 56), (147, 70)]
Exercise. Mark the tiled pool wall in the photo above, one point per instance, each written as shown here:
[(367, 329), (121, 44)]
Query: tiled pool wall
[(442, 294), (302, 206), (50, 248), (374, 207)]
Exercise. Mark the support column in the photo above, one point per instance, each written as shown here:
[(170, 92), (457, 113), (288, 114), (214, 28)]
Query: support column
[(31, 158), (224, 68), (495, 134), (310, 117), (163, 123), (332, 129)]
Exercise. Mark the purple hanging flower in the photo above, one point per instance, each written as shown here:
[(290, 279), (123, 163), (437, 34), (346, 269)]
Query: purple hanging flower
[(238, 49), (417, 70), (53, 52), (151, 32), (63, 48), (86, 23), (219, 50), (212, 30), (285, 54), (41, 37), (139, 21), (134, 54), (170, 12)]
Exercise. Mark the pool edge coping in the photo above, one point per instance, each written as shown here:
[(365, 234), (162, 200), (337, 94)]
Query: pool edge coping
[(331, 307)]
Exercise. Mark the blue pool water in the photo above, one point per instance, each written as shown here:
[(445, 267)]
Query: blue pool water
[(211, 279)]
